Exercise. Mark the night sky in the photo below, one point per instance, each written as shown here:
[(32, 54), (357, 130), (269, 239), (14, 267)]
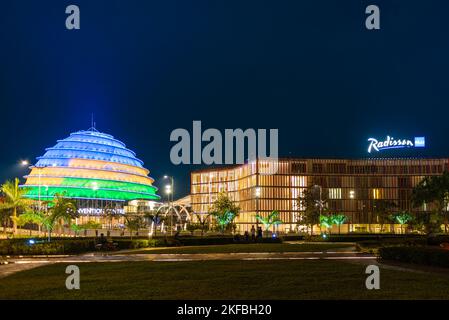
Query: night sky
[(309, 68)]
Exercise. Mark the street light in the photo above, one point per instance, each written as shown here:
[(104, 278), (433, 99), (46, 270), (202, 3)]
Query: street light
[(24, 163), (170, 190)]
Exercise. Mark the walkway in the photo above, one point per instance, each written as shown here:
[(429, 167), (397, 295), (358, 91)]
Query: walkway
[(16, 264)]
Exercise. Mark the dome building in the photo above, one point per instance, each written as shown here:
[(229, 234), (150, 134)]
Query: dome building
[(93, 168)]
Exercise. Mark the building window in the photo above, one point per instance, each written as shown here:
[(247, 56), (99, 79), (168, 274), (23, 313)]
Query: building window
[(334, 193)]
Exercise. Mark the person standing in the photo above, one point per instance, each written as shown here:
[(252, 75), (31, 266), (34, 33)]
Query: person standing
[(259, 232), (253, 233)]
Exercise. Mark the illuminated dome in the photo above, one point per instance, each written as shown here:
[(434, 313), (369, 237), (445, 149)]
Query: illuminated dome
[(90, 165)]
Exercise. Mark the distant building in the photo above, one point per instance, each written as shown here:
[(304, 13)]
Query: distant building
[(350, 186)]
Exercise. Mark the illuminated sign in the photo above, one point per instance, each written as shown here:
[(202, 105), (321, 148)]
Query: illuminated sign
[(391, 143), (99, 212)]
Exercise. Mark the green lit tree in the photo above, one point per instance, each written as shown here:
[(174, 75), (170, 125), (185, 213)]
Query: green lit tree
[(326, 222), (402, 218), (224, 211), (338, 219), (271, 220), (14, 200)]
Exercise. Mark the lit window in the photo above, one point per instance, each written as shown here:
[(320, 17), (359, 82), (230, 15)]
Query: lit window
[(334, 193)]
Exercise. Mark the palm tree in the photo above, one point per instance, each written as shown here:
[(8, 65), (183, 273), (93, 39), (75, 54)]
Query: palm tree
[(402, 218), (14, 199), (133, 223), (382, 209), (63, 210), (156, 218), (338, 219), (326, 221), (271, 220)]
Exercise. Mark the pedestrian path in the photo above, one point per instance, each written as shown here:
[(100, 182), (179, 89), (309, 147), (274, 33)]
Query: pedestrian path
[(26, 263)]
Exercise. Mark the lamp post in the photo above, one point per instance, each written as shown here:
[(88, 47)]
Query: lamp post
[(169, 190), (351, 196), (320, 202)]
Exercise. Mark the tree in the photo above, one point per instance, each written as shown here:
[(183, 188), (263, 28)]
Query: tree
[(62, 210), (76, 228), (309, 213), (338, 219), (326, 222), (271, 220), (29, 217), (224, 211), (14, 200), (382, 210), (133, 223), (4, 217), (156, 218), (402, 218), (90, 225), (203, 220), (433, 191)]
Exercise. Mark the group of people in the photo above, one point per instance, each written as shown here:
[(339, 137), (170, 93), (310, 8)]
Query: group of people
[(255, 234)]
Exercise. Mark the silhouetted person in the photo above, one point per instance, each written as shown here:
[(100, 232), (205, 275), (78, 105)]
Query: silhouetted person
[(246, 236), (103, 240), (259, 232), (253, 233)]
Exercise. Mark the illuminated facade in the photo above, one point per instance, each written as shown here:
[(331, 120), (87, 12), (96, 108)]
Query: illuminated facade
[(93, 168), (350, 187)]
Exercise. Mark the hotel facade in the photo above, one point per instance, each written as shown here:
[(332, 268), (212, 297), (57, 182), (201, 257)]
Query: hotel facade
[(350, 186)]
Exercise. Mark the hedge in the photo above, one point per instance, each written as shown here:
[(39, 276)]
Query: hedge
[(72, 246), (360, 237), (429, 256), (42, 247), (221, 240), (372, 246)]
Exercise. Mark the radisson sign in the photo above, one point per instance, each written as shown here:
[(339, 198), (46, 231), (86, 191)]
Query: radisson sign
[(391, 143)]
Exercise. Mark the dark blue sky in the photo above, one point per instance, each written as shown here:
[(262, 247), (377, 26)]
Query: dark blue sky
[(309, 68)]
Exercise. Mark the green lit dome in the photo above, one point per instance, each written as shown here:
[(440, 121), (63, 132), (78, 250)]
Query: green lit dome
[(90, 165)]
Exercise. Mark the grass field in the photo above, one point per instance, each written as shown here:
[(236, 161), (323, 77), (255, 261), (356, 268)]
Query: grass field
[(223, 280), (244, 248)]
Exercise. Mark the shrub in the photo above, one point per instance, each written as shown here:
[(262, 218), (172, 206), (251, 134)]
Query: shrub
[(430, 256), (292, 237), (194, 241), (372, 246), (437, 240), (73, 245), (42, 247)]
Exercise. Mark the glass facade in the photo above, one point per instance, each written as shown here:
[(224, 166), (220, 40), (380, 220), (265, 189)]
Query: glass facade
[(350, 187)]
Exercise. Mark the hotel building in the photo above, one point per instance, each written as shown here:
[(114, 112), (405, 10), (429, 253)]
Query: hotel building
[(349, 186)]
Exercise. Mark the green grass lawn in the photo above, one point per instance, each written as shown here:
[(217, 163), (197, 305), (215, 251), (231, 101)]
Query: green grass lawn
[(315, 279), (244, 248)]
